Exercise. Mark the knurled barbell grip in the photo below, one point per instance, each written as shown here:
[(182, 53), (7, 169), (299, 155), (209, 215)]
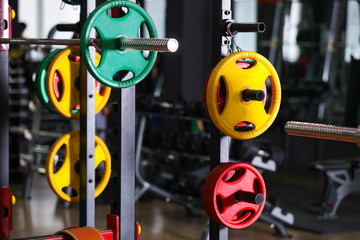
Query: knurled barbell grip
[(145, 44), (323, 131)]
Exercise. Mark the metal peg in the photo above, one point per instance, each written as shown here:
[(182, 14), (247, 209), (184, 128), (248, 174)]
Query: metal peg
[(232, 27), (323, 131), (253, 95)]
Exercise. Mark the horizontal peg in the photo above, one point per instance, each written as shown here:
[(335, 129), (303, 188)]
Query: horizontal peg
[(232, 27)]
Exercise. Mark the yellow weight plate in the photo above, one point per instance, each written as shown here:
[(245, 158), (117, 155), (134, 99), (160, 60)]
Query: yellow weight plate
[(63, 84), (236, 110), (67, 175)]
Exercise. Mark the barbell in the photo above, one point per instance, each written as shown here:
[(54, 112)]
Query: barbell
[(119, 43)]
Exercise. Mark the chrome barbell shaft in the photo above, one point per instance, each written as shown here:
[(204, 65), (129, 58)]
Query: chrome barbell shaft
[(40, 41), (145, 44), (323, 131)]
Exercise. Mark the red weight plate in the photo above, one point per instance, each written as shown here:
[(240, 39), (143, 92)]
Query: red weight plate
[(229, 195), (209, 184)]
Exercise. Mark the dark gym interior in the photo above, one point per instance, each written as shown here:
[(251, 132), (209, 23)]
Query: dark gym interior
[(212, 119)]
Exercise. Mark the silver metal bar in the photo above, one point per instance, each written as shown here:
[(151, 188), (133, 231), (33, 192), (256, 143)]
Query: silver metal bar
[(149, 44), (40, 41), (323, 131), (30, 133), (87, 131), (145, 44)]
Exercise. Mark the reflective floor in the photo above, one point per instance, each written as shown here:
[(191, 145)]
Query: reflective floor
[(158, 219)]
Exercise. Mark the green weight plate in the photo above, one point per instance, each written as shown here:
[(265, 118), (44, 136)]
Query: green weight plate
[(113, 59), (40, 80)]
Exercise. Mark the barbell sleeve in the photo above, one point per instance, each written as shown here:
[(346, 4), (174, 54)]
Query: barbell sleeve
[(323, 131), (145, 44), (149, 44)]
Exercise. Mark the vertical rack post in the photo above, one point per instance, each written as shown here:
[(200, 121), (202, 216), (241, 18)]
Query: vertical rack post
[(123, 164), (5, 202), (4, 101), (219, 143), (87, 133)]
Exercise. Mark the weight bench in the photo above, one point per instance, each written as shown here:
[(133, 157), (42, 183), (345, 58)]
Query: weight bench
[(342, 177)]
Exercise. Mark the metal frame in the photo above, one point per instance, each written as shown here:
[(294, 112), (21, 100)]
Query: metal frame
[(219, 152), (123, 167), (5, 31), (87, 133)]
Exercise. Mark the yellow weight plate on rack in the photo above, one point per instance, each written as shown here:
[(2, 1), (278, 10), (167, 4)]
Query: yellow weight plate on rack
[(237, 111), (63, 84), (66, 153)]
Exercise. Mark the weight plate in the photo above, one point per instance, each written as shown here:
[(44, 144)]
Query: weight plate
[(68, 173), (110, 30), (234, 195), (40, 80), (63, 84), (209, 183), (221, 95), (236, 111)]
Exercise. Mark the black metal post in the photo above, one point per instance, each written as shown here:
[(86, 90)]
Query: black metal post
[(87, 133)]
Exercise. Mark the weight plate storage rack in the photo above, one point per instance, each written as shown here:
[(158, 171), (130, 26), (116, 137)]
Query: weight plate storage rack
[(121, 222)]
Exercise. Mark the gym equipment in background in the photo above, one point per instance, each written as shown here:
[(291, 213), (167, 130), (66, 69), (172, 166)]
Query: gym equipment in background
[(342, 176)]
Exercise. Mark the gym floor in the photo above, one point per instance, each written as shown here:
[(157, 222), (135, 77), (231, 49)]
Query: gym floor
[(40, 215)]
